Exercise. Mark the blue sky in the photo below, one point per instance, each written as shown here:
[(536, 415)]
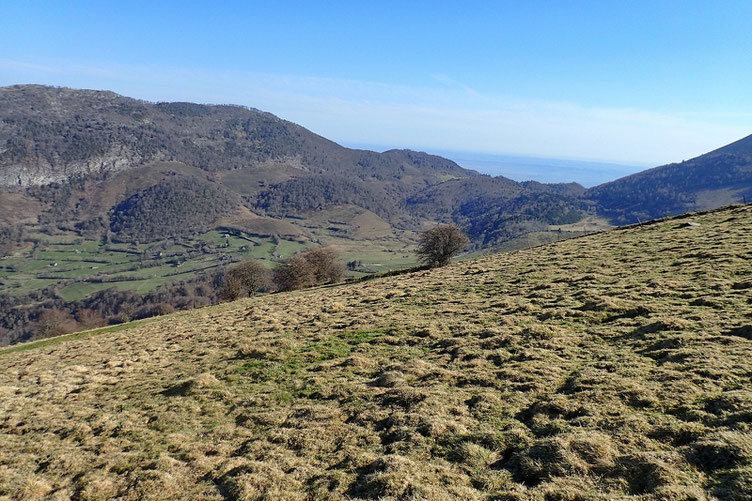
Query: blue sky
[(633, 82)]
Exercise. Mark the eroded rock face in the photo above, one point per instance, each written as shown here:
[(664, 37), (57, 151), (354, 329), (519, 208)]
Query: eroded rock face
[(43, 172)]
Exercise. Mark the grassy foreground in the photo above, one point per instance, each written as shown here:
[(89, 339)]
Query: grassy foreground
[(613, 366)]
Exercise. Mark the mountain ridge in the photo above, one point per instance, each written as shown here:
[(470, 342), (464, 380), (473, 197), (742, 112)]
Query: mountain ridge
[(141, 135), (61, 136)]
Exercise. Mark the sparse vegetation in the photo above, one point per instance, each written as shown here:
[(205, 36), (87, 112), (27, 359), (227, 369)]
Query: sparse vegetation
[(613, 366), (327, 266)]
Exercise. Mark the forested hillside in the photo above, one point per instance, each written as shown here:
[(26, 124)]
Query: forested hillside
[(82, 160), (494, 210), (718, 178), (172, 208)]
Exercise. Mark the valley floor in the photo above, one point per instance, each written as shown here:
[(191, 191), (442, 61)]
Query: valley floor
[(611, 366)]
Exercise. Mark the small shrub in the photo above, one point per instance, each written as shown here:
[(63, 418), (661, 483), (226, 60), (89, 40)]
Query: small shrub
[(90, 319), (55, 322), (231, 289), (127, 310), (154, 310), (326, 265)]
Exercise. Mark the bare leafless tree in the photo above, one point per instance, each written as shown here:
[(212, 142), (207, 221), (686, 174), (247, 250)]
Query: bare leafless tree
[(244, 280), (313, 267), (295, 273), (438, 245)]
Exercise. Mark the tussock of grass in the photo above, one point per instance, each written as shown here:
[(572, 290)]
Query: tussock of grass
[(614, 366)]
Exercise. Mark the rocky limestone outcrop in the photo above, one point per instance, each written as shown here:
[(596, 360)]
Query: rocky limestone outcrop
[(43, 172)]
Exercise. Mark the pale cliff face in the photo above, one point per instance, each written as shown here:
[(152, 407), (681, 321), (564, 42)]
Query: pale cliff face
[(42, 172)]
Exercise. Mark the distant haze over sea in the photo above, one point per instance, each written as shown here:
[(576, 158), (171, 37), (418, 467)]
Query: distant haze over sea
[(529, 168)]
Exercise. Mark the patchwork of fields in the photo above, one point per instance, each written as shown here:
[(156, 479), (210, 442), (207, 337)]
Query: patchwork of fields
[(79, 267), (612, 366)]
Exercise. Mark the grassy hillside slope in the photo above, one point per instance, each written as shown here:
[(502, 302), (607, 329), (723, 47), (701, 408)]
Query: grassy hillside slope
[(610, 366)]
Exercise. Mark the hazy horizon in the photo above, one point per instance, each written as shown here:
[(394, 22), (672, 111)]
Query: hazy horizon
[(521, 168)]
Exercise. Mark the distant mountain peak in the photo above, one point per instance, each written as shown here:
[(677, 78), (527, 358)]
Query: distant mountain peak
[(720, 177)]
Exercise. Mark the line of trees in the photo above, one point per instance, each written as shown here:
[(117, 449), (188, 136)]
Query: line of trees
[(436, 247), (306, 269), (44, 313)]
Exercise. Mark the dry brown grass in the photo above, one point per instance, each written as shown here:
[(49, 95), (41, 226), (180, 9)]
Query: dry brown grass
[(614, 366)]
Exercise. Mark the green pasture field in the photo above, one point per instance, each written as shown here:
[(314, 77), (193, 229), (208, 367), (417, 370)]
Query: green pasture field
[(80, 267)]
